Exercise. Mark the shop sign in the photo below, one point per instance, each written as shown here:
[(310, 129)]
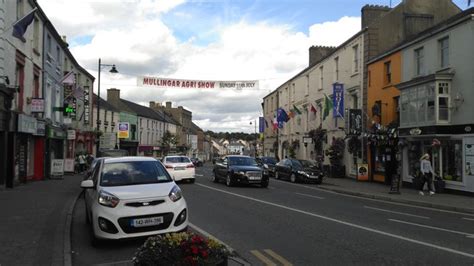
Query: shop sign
[(40, 128), (69, 165), (57, 167), (467, 129), (67, 120), (56, 133), (37, 105), (71, 134), (156, 148), (415, 131), (86, 105), (362, 172), (124, 130), (338, 100), (26, 124)]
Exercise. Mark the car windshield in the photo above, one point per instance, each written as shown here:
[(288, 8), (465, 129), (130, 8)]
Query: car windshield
[(178, 159), (308, 164), (242, 161), (297, 164), (133, 173), (269, 160)]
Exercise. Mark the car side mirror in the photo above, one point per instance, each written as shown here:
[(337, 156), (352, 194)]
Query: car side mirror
[(87, 184)]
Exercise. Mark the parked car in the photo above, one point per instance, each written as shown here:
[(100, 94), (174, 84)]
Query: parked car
[(268, 163), (239, 169), (92, 166), (299, 171), (180, 168), (196, 161), (131, 197)]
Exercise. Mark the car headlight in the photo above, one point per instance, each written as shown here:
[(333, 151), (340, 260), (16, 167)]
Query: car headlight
[(265, 166), (175, 194), (108, 199), (241, 173), (303, 173)]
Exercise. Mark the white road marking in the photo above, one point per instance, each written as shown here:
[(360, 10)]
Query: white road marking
[(262, 258), (311, 196), (434, 228), (450, 250), (401, 213), (198, 175), (469, 219), (377, 200)]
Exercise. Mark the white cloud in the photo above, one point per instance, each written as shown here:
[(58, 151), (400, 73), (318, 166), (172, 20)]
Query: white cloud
[(132, 35)]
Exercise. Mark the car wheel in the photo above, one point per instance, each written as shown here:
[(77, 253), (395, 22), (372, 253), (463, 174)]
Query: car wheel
[(94, 240), (277, 176), (293, 178), (264, 184), (228, 181), (214, 178)]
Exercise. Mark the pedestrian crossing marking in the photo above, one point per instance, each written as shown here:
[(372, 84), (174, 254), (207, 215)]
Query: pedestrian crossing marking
[(267, 261)]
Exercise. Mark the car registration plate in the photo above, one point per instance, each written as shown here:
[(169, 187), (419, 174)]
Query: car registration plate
[(179, 168), (150, 221)]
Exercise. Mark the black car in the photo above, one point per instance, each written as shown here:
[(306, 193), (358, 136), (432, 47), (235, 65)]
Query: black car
[(239, 169), (299, 171), (268, 163), (196, 161)]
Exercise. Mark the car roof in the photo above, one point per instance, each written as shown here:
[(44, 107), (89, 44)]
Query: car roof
[(238, 156), (129, 159), (176, 156)]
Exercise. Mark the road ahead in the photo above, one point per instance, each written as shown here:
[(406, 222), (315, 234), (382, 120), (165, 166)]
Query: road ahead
[(300, 224)]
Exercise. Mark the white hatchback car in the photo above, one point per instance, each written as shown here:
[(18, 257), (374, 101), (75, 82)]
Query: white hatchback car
[(180, 168), (133, 196)]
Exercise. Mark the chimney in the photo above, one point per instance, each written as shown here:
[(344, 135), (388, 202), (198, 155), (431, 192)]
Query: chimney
[(63, 37), (113, 96), (316, 53), (168, 105), (152, 105), (371, 13)]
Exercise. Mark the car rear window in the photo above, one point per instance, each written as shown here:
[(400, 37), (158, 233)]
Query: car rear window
[(133, 173), (269, 160), (180, 159)]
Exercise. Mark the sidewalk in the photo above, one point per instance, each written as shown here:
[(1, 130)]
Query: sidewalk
[(444, 201), (33, 221)]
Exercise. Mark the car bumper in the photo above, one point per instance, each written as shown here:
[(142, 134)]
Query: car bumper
[(122, 216), (179, 175), (311, 179), (245, 180)]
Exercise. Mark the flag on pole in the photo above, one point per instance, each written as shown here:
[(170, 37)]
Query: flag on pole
[(69, 79), (296, 109), (20, 27), (313, 112), (328, 105)]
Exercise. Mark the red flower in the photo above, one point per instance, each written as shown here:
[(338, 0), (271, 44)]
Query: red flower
[(204, 254), (194, 250)]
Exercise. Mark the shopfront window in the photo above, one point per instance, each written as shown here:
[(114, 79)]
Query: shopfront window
[(379, 160), (452, 160), (415, 150)]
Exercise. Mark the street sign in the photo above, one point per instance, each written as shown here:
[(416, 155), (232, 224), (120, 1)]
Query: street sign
[(108, 140)]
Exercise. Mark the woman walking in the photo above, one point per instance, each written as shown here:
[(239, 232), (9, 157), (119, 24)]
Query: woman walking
[(427, 174)]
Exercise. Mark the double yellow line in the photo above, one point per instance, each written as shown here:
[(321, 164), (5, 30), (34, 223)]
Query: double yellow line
[(267, 261)]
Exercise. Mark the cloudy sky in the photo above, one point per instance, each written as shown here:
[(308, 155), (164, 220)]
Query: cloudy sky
[(264, 40)]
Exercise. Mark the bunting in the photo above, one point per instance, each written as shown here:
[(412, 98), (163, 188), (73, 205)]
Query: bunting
[(296, 109)]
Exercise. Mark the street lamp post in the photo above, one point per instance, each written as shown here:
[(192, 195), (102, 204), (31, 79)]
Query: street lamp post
[(112, 70), (255, 132)]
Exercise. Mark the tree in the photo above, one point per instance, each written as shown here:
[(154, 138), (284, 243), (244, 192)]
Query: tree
[(167, 142)]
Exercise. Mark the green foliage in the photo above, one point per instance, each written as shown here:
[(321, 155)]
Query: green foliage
[(179, 249), (168, 141)]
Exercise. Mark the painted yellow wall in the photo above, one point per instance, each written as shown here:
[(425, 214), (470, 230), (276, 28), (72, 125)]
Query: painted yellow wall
[(381, 90)]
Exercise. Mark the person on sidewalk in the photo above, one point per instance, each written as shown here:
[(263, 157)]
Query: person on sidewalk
[(427, 174), (82, 163)]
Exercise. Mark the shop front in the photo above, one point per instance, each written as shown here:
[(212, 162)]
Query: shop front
[(25, 146), (130, 146), (55, 145), (451, 150)]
